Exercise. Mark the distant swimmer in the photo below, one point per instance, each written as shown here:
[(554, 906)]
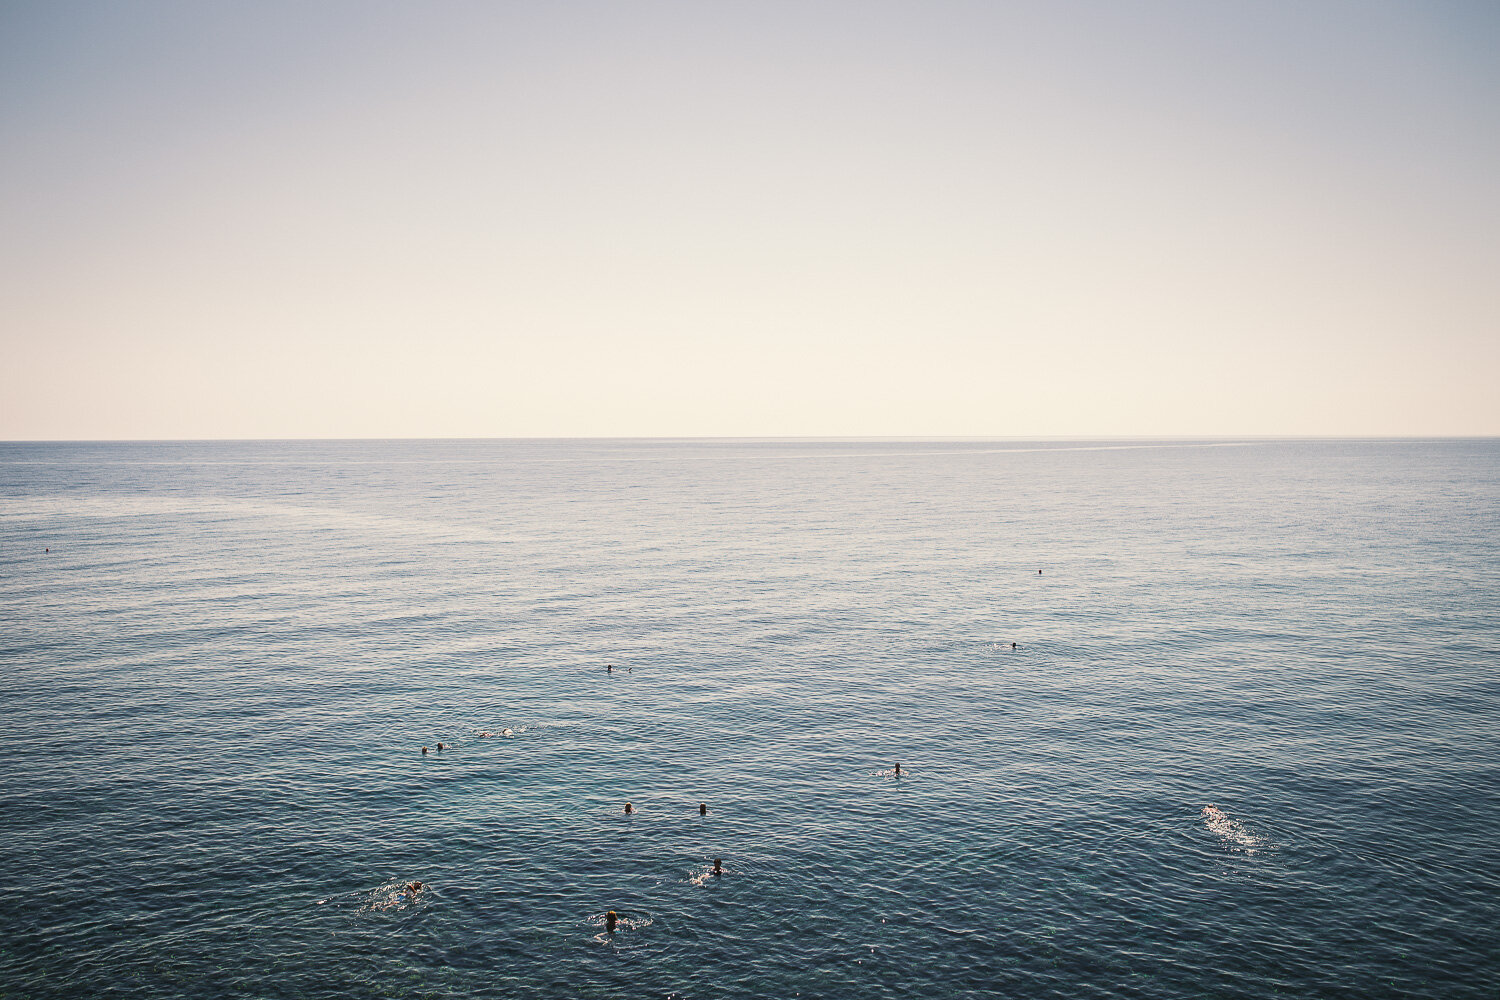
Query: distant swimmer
[(1012, 647), (412, 888), (629, 809), (703, 809), (898, 770), (609, 921), (424, 751), (610, 668), (440, 747), (717, 869), (1038, 572)]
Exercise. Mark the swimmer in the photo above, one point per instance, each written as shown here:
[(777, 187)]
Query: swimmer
[(440, 747), (717, 869), (629, 809), (703, 809), (424, 751), (609, 921), (1038, 572), (412, 888), (898, 770), (610, 669), (1012, 647)]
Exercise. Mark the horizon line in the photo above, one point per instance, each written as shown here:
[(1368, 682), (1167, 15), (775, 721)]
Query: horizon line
[(979, 438)]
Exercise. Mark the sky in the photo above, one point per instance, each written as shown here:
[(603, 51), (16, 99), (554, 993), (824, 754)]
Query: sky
[(1054, 219)]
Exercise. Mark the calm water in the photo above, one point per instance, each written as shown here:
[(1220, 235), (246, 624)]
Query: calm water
[(1248, 743)]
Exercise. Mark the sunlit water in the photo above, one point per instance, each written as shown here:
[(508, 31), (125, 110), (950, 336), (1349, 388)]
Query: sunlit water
[(1248, 741)]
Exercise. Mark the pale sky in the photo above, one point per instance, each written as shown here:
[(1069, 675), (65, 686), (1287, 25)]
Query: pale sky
[(319, 219)]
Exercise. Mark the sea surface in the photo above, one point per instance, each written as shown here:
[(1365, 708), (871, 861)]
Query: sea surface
[(1246, 744)]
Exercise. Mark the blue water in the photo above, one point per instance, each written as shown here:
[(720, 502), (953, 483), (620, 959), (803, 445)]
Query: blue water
[(1248, 743)]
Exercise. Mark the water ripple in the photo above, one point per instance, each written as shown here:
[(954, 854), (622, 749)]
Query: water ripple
[(1246, 741)]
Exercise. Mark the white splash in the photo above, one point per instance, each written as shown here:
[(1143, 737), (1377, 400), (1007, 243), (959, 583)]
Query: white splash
[(398, 894), (705, 876), (1231, 831)]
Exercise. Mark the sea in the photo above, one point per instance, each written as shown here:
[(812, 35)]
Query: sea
[(1174, 719)]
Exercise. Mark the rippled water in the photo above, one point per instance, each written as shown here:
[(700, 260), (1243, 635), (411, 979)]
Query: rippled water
[(1247, 743)]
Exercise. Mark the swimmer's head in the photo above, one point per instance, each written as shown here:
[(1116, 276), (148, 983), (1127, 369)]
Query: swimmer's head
[(703, 809), (424, 751), (629, 809), (440, 746), (609, 921), (717, 869)]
